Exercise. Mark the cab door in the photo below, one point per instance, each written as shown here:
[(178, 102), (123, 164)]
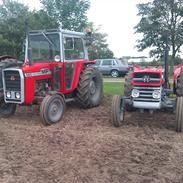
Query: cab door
[(74, 54)]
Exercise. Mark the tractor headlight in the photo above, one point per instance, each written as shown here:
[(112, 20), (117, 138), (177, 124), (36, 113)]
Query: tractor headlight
[(135, 93), (17, 95), (8, 94), (156, 94)]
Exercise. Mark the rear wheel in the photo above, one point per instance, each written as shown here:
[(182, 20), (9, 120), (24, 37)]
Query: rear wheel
[(114, 73), (179, 114), (179, 105), (90, 88), (52, 109), (117, 111), (179, 90), (7, 109), (128, 90)]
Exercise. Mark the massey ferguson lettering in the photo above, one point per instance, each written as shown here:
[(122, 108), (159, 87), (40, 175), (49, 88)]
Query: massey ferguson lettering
[(41, 73)]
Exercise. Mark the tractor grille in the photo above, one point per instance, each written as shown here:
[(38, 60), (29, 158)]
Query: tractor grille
[(12, 80), (13, 84), (146, 94), (147, 78)]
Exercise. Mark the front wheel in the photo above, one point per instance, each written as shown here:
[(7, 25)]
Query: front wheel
[(52, 109), (114, 73), (117, 110), (179, 114), (6, 109)]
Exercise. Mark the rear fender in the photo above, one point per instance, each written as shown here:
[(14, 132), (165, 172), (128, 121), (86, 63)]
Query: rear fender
[(3, 57), (176, 74)]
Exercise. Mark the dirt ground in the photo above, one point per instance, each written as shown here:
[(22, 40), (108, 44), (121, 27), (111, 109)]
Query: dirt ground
[(85, 147)]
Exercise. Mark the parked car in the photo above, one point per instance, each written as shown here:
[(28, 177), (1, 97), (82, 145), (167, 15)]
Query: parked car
[(113, 67)]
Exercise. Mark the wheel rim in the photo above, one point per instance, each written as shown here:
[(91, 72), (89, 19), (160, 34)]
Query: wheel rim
[(114, 74), (92, 87), (55, 110)]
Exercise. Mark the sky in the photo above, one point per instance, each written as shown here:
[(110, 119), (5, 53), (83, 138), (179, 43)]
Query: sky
[(117, 18)]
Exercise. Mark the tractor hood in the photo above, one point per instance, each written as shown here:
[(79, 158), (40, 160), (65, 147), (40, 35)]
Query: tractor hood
[(36, 69), (148, 76)]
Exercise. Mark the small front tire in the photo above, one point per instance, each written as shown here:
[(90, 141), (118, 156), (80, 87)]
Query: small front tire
[(179, 114), (117, 111), (52, 109)]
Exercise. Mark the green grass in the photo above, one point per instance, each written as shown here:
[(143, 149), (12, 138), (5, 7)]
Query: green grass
[(113, 88)]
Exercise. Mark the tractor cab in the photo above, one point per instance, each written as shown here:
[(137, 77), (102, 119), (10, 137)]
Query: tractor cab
[(55, 45)]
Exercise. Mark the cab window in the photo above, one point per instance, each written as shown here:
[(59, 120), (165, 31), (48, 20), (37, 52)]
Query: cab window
[(73, 48), (43, 47)]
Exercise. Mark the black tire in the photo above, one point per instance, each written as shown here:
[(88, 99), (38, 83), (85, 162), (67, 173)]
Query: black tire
[(10, 62), (179, 114), (114, 73), (52, 109), (179, 89), (90, 88), (117, 111), (6, 109), (128, 90)]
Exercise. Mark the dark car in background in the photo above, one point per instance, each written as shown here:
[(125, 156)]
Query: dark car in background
[(113, 67)]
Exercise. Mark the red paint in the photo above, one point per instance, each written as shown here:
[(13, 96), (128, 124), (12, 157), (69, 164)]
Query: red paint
[(30, 82), (158, 70), (176, 74)]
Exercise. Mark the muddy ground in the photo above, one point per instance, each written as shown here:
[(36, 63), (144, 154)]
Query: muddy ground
[(86, 148)]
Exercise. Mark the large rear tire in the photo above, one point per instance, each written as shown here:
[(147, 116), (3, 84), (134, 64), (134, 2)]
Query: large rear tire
[(52, 109), (179, 114), (128, 90), (117, 111), (90, 88), (179, 89), (7, 109)]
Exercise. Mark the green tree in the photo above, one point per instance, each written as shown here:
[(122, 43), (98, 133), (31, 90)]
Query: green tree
[(12, 25), (39, 20), (12, 15), (99, 48), (71, 14), (161, 19)]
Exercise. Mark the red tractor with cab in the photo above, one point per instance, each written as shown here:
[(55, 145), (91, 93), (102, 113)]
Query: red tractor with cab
[(149, 89), (55, 71)]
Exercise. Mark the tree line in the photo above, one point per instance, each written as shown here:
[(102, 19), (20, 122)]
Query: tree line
[(70, 14), (161, 24)]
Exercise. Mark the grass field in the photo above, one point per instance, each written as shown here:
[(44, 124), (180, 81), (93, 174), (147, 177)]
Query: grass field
[(113, 88)]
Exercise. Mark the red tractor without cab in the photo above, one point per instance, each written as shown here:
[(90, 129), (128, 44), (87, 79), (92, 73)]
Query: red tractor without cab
[(149, 89), (55, 70)]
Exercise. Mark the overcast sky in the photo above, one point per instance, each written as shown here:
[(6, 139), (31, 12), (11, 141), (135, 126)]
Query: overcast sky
[(118, 19)]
